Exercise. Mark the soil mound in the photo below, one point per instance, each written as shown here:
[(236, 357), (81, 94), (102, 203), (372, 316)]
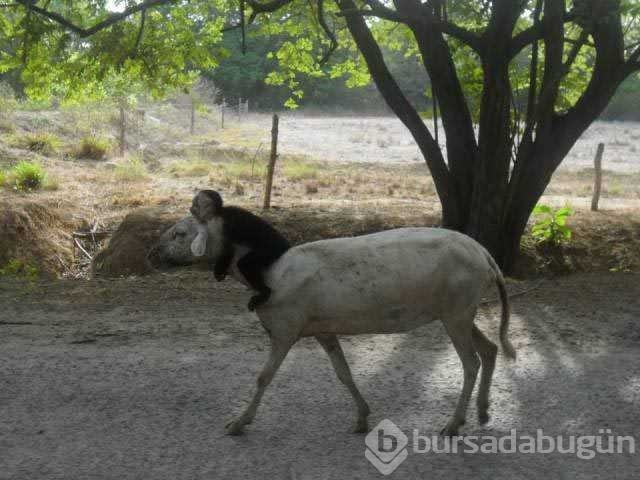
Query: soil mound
[(126, 253), (36, 235)]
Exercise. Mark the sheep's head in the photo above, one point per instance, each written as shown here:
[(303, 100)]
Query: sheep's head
[(174, 245), (187, 242)]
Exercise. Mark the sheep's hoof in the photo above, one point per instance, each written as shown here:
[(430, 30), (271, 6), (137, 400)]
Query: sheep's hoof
[(451, 430), (362, 426), (235, 427), (483, 418)]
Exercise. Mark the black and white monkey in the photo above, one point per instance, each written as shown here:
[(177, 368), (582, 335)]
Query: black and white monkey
[(241, 227)]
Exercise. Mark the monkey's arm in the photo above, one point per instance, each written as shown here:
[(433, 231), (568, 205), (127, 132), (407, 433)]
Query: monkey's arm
[(224, 261)]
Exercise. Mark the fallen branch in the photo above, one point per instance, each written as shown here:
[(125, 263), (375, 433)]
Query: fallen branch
[(79, 245)]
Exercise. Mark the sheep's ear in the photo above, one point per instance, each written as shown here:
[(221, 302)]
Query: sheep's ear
[(199, 244)]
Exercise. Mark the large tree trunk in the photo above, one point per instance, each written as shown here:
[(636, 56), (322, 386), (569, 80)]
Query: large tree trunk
[(481, 193)]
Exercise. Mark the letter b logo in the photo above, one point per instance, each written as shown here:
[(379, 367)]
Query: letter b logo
[(386, 443), (386, 447)]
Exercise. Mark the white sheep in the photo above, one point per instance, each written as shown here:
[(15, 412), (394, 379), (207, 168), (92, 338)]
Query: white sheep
[(387, 282)]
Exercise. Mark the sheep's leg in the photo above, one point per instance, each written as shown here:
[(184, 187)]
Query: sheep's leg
[(336, 355), (279, 349), (488, 352), (459, 330)]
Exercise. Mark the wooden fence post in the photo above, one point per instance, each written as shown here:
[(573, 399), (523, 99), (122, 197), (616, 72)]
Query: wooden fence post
[(222, 106), (192, 125), (598, 180), (122, 140), (272, 162)]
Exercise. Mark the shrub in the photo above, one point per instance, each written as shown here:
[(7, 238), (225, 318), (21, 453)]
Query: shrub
[(93, 147), (551, 225), (19, 269), (27, 176), (131, 171), (40, 142)]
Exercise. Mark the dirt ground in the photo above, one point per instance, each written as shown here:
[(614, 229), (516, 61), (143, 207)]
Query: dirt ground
[(135, 378)]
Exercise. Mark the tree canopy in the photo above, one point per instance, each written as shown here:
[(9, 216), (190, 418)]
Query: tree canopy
[(516, 82)]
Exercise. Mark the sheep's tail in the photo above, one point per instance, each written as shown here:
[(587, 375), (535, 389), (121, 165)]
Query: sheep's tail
[(507, 347)]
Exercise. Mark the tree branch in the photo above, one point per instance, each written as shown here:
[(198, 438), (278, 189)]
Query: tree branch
[(533, 77), (382, 11), (633, 62), (635, 56), (387, 14), (266, 7), (136, 45), (437, 59), (107, 22), (575, 49), (243, 31), (397, 101), (333, 41), (467, 37), (532, 34), (553, 66), (609, 70)]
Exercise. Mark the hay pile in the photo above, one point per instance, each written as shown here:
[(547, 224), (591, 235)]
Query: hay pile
[(37, 235), (126, 253)]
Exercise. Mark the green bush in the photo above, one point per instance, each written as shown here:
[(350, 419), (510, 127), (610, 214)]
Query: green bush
[(19, 269), (551, 225), (93, 147), (3, 178), (27, 176), (132, 170), (40, 142)]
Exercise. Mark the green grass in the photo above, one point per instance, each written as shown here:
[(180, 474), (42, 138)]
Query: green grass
[(297, 170), (51, 183), (3, 178), (26, 176), (7, 126), (243, 170), (132, 170), (39, 142), (189, 168), (93, 147), (19, 269)]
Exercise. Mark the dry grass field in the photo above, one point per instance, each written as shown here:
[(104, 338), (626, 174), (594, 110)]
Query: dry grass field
[(332, 172)]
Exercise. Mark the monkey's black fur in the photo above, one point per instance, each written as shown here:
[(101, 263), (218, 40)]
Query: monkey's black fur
[(241, 227)]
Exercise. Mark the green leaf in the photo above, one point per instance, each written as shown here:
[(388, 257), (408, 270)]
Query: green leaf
[(541, 209)]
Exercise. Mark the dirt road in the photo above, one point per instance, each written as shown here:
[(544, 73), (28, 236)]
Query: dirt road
[(135, 379)]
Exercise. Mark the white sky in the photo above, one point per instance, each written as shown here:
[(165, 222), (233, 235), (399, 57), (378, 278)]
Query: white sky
[(115, 5)]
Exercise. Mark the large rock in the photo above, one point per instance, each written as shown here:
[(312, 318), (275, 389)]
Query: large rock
[(126, 253)]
